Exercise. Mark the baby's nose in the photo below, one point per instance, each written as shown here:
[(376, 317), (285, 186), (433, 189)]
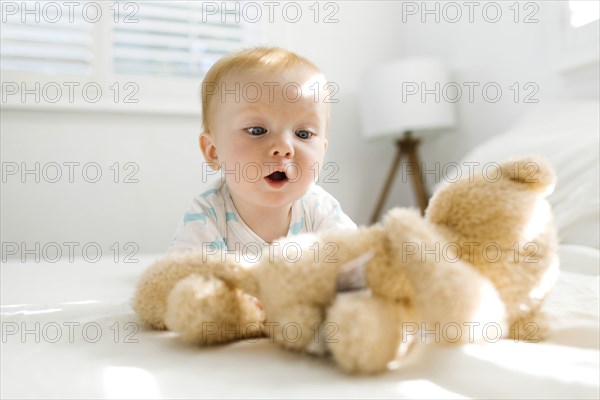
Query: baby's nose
[(283, 148), (282, 152)]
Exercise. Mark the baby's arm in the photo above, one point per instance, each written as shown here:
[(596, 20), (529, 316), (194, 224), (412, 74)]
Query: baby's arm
[(194, 236), (199, 229), (328, 215), (327, 212)]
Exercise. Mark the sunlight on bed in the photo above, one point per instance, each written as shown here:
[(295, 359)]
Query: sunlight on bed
[(31, 312), (426, 389), (129, 382), (544, 360), (80, 302), (25, 311), (14, 306)]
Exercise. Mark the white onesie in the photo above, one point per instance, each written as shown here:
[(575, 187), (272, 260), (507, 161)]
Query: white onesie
[(212, 221)]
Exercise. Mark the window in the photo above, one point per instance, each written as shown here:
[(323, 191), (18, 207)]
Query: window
[(583, 12), (49, 45), (136, 55), (577, 37), (172, 39)]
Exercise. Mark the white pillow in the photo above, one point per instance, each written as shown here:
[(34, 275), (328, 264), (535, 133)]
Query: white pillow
[(567, 135)]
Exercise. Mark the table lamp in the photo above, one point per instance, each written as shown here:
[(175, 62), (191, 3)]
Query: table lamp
[(400, 98)]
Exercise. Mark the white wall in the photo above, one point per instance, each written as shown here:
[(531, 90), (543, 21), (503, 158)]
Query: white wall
[(163, 147)]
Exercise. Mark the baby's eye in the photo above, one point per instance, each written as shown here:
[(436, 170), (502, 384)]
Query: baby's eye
[(302, 134), (256, 130)]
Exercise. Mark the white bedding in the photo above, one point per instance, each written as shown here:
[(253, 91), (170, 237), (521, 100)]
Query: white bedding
[(49, 299)]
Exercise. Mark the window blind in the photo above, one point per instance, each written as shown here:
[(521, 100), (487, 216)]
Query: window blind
[(61, 47), (172, 39), (152, 38)]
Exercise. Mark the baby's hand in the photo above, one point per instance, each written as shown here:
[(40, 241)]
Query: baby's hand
[(352, 274), (260, 312), (255, 301)]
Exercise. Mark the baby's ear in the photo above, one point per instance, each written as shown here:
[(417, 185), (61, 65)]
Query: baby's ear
[(533, 171), (209, 149)]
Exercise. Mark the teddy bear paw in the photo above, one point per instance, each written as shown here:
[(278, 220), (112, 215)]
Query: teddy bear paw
[(205, 310)]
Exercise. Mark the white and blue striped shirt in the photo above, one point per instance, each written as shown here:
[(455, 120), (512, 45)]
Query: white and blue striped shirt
[(212, 221)]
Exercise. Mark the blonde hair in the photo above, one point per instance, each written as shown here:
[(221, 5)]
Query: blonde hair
[(268, 59)]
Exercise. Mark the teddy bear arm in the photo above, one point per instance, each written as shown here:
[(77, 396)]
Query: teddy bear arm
[(530, 328), (157, 282), (206, 310), (153, 288)]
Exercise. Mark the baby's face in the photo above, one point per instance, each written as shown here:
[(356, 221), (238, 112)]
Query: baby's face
[(268, 135)]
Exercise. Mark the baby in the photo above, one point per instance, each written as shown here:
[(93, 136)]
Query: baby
[(265, 117)]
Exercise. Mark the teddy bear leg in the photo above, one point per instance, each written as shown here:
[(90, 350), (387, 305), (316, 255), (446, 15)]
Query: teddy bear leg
[(366, 335), (530, 328), (296, 327), (205, 310)]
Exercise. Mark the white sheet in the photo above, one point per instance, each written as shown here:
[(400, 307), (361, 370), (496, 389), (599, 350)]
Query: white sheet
[(50, 298)]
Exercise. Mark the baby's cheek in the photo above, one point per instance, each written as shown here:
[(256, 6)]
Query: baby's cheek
[(304, 171), (295, 172)]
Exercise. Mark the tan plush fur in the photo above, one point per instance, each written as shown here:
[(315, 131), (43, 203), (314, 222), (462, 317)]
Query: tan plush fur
[(425, 278), (512, 242)]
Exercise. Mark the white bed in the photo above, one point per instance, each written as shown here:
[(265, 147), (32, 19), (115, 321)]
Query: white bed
[(68, 330)]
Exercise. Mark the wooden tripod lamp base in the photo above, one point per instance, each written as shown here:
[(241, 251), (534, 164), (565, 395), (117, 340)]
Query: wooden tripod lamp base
[(405, 146)]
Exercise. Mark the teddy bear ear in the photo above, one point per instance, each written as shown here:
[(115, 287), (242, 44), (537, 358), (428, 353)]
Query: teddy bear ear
[(533, 171)]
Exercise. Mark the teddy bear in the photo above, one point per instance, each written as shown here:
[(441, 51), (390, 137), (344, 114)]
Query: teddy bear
[(500, 224), (433, 274), (507, 233)]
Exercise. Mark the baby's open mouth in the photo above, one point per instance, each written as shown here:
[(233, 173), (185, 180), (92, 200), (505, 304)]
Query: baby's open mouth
[(277, 176)]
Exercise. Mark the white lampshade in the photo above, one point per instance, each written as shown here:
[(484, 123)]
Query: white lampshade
[(405, 95)]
